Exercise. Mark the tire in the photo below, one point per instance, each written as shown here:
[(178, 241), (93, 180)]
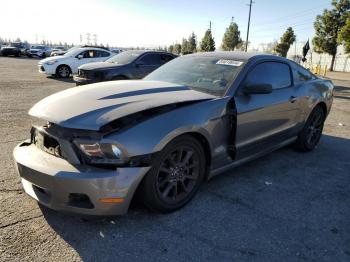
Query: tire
[(176, 175), (43, 55), (63, 71), (18, 54), (312, 131)]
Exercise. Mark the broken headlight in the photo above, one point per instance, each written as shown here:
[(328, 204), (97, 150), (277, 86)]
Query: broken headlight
[(101, 153)]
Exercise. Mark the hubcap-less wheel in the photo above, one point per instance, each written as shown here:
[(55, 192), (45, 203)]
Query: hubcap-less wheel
[(177, 175), (312, 131), (315, 128), (63, 72)]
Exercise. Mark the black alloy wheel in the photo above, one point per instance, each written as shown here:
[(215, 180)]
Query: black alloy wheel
[(176, 175), (312, 131)]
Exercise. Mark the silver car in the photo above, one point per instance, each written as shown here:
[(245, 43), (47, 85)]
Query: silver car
[(162, 136)]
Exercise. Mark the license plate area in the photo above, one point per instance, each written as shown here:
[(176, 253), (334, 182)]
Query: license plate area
[(45, 142)]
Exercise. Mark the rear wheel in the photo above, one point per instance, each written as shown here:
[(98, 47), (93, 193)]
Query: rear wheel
[(312, 131), (175, 176), (63, 71)]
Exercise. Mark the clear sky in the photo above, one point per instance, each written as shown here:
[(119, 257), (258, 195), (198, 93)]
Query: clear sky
[(152, 23)]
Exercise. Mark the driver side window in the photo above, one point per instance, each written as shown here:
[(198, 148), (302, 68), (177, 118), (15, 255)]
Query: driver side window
[(274, 73), (87, 54)]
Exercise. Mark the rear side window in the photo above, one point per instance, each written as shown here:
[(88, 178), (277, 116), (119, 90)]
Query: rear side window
[(301, 75), (100, 53), (166, 58), (151, 59), (274, 73)]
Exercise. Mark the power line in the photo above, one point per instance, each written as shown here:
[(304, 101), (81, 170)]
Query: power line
[(288, 24), (276, 29), (299, 14)]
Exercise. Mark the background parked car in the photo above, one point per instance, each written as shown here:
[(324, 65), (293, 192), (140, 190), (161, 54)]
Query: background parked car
[(133, 64), (39, 51), (58, 50), (116, 50), (15, 49), (63, 66)]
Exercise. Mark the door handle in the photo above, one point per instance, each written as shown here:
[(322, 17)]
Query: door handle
[(292, 99)]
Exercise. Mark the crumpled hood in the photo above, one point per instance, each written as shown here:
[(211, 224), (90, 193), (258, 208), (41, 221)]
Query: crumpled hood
[(99, 65), (93, 106)]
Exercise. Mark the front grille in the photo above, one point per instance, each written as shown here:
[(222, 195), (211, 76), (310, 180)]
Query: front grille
[(46, 142)]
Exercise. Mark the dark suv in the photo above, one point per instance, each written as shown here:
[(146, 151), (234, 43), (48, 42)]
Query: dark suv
[(15, 49), (133, 64)]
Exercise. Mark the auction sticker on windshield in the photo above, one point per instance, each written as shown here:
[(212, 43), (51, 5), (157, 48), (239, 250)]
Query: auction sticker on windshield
[(229, 62)]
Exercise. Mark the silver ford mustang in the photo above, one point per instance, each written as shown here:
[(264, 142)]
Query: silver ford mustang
[(162, 136)]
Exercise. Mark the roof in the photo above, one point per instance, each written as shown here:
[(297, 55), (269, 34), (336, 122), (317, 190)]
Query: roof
[(239, 55), (138, 51)]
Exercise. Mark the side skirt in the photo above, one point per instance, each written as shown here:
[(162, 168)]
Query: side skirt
[(252, 157)]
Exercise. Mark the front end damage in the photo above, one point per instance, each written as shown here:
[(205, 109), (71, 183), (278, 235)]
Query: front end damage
[(55, 172), (90, 158)]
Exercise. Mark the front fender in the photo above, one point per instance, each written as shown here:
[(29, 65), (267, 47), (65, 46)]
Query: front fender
[(153, 134)]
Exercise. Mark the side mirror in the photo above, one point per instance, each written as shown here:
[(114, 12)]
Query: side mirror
[(80, 57), (257, 89)]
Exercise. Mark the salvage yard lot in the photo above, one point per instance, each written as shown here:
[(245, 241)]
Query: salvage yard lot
[(286, 206)]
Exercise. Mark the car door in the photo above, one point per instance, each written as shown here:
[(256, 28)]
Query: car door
[(84, 57), (147, 63), (266, 119)]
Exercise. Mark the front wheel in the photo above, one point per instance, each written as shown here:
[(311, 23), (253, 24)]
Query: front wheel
[(63, 71), (312, 131), (176, 175)]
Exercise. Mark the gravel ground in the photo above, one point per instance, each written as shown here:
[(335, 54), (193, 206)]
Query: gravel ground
[(287, 206)]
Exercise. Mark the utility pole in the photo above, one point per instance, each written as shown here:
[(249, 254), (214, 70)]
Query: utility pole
[(210, 25), (250, 11), (232, 18)]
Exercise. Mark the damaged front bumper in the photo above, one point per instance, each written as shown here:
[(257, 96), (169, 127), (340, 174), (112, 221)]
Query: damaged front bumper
[(80, 189)]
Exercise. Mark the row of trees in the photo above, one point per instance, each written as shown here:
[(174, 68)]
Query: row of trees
[(332, 29), (43, 42), (231, 41)]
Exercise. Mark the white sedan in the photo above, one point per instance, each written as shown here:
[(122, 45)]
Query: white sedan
[(67, 64)]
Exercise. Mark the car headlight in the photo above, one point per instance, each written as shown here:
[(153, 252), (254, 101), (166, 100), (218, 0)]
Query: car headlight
[(101, 153), (51, 62)]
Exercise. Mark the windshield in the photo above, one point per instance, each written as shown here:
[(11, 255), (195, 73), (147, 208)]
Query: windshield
[(16, 44), (206, 74), (124, 57), (72, 51)]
